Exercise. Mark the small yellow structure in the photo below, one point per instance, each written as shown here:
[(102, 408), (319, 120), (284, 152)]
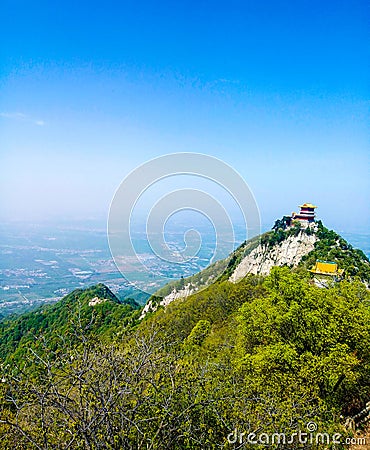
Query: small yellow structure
[(326, 268)]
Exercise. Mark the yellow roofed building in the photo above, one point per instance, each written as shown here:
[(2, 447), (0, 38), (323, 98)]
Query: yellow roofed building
[(326, 268)]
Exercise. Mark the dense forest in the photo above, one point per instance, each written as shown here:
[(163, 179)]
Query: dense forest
[(271, 356)]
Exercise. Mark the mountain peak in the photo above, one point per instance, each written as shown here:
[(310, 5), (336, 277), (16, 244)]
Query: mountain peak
[(90, 310), (295, 240), (100, 292)]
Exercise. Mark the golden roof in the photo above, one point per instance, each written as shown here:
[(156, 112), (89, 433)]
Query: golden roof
[(307, 205), (326, 268)]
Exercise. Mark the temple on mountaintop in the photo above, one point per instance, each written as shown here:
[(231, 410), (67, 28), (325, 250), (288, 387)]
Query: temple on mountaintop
[(305, 218), (306, 214)]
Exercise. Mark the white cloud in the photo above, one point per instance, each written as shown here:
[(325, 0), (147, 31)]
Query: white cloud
[(22, 117), (14, 115)]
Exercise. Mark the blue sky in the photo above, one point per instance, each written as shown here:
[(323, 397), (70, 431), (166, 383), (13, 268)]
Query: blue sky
[(277, 89)]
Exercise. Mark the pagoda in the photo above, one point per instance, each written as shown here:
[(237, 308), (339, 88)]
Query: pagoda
[(306, 214)]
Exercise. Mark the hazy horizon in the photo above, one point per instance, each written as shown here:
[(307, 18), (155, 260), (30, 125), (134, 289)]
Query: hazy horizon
[(278, 90)]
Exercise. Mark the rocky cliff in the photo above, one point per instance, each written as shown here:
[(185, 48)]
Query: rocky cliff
[(283, 246), (288, 252)]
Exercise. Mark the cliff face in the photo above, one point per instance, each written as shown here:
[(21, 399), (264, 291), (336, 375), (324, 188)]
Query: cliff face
[(287, 245), (187, 290), (255, 257), (288, 252), (184, 288)]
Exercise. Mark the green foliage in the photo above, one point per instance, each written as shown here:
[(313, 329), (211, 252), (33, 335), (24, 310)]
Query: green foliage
[(59, 321), (282, 223), (197, 334), (332, 247), (309, 337), (267, 354), (131, 302), (282, 231)]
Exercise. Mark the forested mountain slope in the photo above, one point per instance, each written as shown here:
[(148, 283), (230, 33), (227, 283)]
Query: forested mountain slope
[(267, 352), (293, 246)]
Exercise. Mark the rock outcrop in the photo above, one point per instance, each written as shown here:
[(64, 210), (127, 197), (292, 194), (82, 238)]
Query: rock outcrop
[(285, 245), (261, 259), (96, 301), (175, 294)]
